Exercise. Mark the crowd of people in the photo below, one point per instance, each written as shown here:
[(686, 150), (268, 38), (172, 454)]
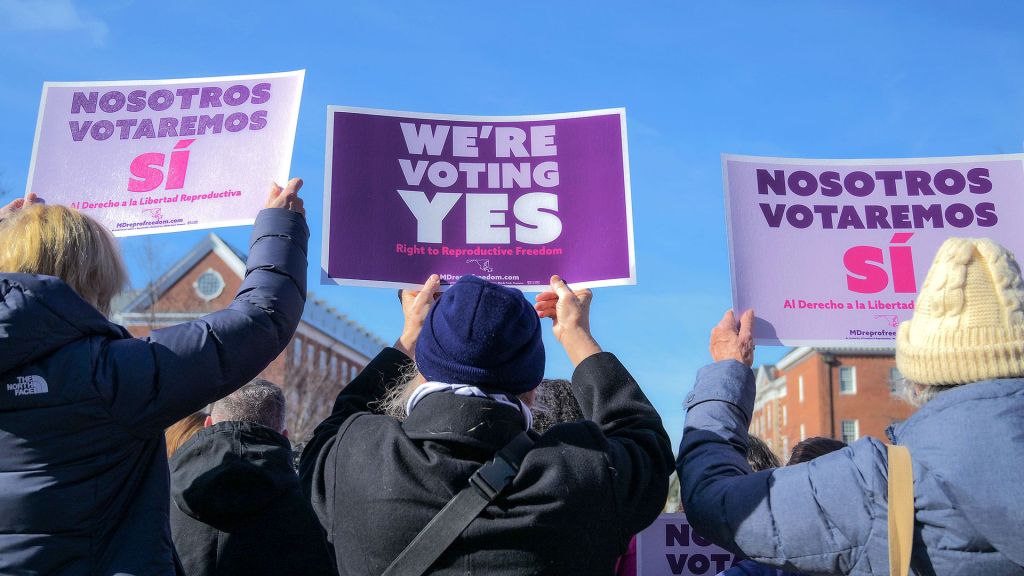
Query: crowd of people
[(450, 453)]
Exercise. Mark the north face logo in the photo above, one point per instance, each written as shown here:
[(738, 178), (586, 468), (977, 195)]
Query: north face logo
[(28, 385)]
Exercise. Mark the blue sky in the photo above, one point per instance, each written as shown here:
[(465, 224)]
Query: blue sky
[(803, 79)]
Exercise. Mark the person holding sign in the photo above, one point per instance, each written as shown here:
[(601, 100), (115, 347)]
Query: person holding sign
[(963, 356), (83, 405), (562, 503)]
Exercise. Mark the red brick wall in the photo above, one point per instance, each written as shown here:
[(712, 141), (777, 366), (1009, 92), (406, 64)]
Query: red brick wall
[(873, 405)]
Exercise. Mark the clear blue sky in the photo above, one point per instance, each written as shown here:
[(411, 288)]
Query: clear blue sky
[(804, 79)]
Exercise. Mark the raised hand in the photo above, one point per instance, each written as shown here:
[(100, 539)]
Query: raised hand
[(731, 342), (287, 197), (415, 307), (570, 318), (18, 204)]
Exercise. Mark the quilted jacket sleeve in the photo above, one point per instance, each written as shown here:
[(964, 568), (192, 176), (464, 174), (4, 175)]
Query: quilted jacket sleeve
[(151, 383), (824, 516)]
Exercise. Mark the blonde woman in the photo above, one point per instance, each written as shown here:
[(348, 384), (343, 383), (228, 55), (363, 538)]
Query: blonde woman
[(83, 405)]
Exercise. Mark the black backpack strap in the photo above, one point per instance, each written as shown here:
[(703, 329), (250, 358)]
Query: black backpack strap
[(485, 485)]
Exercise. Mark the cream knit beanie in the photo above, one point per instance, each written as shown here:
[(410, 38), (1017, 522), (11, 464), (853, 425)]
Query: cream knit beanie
[(968, 322)]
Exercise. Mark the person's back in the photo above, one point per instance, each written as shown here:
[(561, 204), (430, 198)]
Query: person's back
[(582, 491), (237, 508), (963, 353), (83, 406)]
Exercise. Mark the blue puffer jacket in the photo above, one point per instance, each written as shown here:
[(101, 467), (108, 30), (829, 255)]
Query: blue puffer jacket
[(83, 468), (829, 516)]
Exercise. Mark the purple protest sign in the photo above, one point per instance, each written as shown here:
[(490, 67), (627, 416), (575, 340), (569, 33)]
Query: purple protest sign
[(152, 156), (833, 252), (669, 546), (512, 199)]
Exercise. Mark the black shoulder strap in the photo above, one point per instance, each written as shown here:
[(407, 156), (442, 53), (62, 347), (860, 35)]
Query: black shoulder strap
[(484, 486)]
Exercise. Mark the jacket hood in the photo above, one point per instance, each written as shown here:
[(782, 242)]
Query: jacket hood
[(971, 440), (41, 314), (231, 471)]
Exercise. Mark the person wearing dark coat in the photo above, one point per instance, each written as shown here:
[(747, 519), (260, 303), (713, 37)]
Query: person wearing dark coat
[(583, 489), (84, 484), (962, 353), (237, 509)]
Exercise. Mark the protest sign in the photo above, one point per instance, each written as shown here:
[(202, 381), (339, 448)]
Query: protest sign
[(669, 546), (511, 199), (833, 252), (165, 155)]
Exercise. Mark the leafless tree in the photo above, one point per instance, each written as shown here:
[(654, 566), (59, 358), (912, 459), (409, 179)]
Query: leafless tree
[(309, 393), (150, 257)]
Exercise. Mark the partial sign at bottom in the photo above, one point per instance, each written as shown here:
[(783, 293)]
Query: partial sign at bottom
[(670, 547)]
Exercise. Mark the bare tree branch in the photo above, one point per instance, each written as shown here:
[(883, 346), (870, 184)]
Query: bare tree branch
[(309, 395)]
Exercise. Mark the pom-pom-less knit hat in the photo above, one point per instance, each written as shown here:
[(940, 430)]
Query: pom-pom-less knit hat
[(968, 322), (482, 334)]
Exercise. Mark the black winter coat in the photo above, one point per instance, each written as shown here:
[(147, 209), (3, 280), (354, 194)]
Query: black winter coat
[(83, 406), (583, 490), (237, 508)]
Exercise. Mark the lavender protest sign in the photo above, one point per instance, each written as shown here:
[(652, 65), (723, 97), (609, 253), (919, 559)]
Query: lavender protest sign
[(833, 252), (165, 155), (512, 199), (670, 547)]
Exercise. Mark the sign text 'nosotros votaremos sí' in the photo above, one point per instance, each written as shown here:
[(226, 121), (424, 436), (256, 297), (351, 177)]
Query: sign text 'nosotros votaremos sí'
[(834, 252), (166, 155)]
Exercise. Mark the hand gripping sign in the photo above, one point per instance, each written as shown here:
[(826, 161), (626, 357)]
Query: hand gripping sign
[(165, 155), (833, 252), (510, 199)]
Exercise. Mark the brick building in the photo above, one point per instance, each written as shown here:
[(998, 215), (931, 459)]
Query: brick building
[(327, 351), (841, 393)]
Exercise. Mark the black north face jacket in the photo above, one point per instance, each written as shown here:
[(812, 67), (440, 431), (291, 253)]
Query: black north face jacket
[(583, 490), (237, 508)]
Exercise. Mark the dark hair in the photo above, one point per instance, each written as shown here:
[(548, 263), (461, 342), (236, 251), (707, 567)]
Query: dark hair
[(554, 404), (760, 456), (807, 450), (259, 401)]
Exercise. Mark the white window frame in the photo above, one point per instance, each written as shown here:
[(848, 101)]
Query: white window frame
[(297, 351), (803, 432), (894, 381), (856, 431), (852, 370), (220, 284), (801, 389), (785, 416)]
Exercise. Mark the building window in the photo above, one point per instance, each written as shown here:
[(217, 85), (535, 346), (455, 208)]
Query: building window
[(895, 380), (785, 416), (785, 448), (310, 355), (297, 351), (851, 431), (847, 380), (209, 285), (354, 371), (803, 432), (323, 361), (801, 389), (334, 366)]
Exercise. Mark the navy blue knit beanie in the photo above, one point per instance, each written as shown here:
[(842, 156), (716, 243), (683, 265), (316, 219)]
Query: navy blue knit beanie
[(482, 334)]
